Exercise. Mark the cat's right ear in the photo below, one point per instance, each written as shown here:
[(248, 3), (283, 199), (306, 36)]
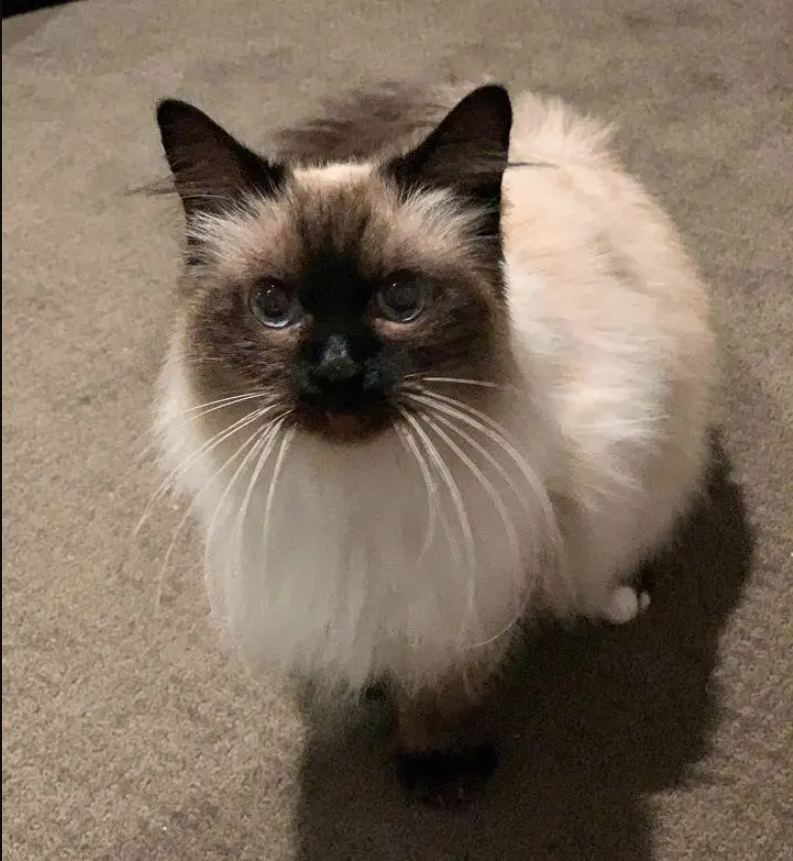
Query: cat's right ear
[(211, 169)]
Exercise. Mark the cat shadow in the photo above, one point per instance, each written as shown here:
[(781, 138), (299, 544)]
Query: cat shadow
[(591, 723)]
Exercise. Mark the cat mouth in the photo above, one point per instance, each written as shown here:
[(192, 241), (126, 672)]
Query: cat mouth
[(345, 427)]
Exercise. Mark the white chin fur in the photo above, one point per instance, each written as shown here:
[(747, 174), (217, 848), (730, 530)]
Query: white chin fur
[(346, 584)]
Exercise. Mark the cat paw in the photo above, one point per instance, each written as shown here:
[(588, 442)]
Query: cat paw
[(625, 604), (447, 778)]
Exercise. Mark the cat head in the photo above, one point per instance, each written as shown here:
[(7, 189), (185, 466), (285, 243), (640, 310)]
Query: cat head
[(332, 289)]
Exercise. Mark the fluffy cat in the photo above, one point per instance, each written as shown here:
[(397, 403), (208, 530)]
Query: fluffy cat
[(435, 367)]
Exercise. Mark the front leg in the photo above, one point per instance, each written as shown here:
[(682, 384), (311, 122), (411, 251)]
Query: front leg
[(445, 752)]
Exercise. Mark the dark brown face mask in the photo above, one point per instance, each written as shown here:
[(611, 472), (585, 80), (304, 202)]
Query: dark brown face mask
[(335, 328)]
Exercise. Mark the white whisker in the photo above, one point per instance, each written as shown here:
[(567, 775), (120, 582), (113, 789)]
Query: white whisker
[(498, 502), (266, 451), (190, 509), (494, 431), (462, 515), (452, 408), (267, 433), (172, 477), (429, 483), (505, 474), (193, 414), (230, 399), (286, 442), (434, 456), (515, 620), (461, 381)]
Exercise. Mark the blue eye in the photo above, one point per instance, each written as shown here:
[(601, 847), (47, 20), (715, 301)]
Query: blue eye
[(403, 300), (273, 305)]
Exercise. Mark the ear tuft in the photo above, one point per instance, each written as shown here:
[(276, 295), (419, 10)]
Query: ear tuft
[(211, 169)]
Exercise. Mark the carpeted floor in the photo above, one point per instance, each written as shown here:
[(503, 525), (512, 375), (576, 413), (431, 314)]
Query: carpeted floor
[(127, 735)]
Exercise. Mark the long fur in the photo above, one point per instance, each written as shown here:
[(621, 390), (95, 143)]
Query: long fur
[(611, 369)]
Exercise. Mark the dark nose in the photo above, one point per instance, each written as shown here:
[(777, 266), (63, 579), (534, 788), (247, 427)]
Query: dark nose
[(336, 365)]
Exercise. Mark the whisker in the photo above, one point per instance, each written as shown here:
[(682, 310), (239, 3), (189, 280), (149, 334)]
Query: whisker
[(493, 461), (170, 480), (286, 442), (494, 431), (434, 456), (462, 381), (465, 525), (267, 433), (462, 515), (236, 541), (429, 483), (219, 401), (187, 514), (193, 414), (515, 620), (155, 437), (498, 502), (506, 520)]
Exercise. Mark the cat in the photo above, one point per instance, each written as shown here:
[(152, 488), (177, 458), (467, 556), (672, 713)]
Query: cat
[(439, 365)]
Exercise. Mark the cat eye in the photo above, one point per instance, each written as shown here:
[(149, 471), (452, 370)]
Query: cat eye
[(273, 305), (403, 300)]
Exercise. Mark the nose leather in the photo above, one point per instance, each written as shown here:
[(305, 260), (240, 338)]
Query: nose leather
[(336, 364)]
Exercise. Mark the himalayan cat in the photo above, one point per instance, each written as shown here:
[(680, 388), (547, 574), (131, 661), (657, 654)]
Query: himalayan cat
[(439, 365)]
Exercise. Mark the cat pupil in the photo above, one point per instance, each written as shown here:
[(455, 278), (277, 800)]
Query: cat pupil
[(403, 301), (272, 305)]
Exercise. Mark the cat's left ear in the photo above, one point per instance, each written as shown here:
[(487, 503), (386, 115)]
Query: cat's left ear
[(211, 169), (467, 152)]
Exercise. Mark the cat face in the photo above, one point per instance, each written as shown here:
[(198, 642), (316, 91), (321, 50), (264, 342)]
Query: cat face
[(330, 289)]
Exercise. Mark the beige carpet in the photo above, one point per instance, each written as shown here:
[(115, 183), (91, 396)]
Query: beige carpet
[(130, 736)]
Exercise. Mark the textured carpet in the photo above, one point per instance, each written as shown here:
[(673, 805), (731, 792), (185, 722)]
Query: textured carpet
[(128, 734)]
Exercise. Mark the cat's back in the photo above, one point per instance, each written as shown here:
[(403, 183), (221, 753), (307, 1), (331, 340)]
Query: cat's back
[(588, 248)]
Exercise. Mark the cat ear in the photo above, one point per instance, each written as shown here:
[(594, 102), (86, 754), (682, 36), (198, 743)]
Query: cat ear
[(467, 152), (211, 169)]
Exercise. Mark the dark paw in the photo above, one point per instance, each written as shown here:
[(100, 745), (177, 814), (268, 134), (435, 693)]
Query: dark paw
[(448, 778)]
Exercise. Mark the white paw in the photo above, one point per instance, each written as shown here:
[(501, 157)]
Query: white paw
[(625, 604)]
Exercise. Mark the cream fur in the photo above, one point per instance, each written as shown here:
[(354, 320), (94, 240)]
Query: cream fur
[(614, 366)]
